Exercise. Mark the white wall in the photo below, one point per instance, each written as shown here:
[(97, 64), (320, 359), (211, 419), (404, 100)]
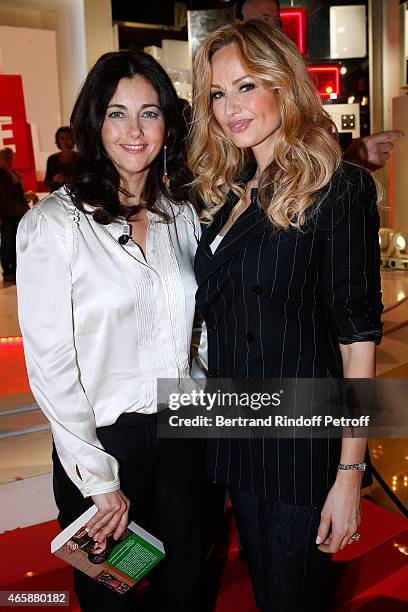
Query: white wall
[(81, 30), (400, 157), (84, 31), (99, 31), (27, 502), (12, 15), (391, 58), (32, 54)]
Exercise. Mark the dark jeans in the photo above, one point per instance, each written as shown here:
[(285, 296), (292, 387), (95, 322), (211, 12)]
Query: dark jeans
[(8, 244), (164, 481), (288, 572)]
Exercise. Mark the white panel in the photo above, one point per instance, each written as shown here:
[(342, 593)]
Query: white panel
[(405, 55), (348, 31), (98, 28), (156, 52), (115, 37), (399, 163), (406, 33), (342, 114), (176, 54)]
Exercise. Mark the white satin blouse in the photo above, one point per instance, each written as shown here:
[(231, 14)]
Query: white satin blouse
[(101, 323)]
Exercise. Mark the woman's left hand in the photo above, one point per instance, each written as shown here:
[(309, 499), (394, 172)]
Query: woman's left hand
[(341, 515)]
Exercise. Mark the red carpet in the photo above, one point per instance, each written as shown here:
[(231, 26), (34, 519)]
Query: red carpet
[(371, 575), (29, 564)]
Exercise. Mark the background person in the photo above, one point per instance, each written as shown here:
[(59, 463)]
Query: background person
[(104, 316), (61, 166), (289, 287), (13, 205), (370, 152)]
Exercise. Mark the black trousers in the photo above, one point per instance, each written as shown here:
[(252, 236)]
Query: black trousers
[(8, 244), (164, 481), (288, 572)]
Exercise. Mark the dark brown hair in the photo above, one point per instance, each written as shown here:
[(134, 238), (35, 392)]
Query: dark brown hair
[(96, 180)]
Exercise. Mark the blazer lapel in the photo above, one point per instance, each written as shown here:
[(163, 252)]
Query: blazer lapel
[(211, 231), (250, 224)]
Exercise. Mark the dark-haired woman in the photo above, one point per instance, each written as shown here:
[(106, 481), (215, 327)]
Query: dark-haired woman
[(61, 165), (104, 316)]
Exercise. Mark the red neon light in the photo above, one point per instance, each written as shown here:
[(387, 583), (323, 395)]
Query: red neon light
[(294, 25), (7, 340), (326, 77)]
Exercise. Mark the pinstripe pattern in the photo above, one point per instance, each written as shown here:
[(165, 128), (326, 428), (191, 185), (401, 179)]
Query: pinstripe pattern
[(277, 305)]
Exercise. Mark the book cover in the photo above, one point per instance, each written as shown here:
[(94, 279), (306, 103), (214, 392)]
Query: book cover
[(118, 564)]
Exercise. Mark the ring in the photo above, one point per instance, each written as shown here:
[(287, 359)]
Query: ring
[(355, 537)]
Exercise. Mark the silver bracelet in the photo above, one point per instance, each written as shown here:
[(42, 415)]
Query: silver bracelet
[(352, 466)]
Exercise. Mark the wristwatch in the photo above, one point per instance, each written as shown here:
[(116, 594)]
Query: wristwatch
[(352, 466)]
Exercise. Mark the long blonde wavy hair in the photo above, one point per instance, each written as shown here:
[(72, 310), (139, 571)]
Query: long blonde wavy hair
[(306, 153)]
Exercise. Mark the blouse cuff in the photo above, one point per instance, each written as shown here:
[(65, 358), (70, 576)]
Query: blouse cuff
[(370, 335), (106, 487)]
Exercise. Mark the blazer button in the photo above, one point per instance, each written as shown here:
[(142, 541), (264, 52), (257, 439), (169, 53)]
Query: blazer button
[(212, 329), (213, 374), (250, 337), (257, 289)]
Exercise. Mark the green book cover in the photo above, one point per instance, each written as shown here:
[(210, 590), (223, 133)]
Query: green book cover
[(116, 564), (137, 554)]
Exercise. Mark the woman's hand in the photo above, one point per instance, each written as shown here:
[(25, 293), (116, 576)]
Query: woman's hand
[(112, 516), (341, 512)]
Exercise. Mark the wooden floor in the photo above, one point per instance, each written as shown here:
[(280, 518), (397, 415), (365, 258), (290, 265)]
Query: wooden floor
[(29, 455)]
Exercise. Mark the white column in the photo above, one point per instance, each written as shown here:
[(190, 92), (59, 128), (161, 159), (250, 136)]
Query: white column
[(391, 59), (98, 30)]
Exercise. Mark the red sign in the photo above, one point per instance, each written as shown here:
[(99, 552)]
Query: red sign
[(294, 25), (15, 132), (327, 78)]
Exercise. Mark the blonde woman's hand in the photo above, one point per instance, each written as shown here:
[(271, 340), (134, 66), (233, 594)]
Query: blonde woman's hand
[(341, 514), (112, 516)]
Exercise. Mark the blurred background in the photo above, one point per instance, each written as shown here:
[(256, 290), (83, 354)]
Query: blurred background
[(357, 52)]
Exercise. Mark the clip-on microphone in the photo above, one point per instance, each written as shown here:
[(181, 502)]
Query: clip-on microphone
[(126, 234)]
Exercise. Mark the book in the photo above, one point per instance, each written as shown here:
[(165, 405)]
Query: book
[(118, 564)]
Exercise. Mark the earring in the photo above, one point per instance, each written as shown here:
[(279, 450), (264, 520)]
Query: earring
[(165, 178)]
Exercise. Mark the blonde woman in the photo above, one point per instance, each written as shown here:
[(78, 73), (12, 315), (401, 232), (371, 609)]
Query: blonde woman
[(289, 287)]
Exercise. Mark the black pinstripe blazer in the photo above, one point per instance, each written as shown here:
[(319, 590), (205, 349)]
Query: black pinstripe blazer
[(277, 304)]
